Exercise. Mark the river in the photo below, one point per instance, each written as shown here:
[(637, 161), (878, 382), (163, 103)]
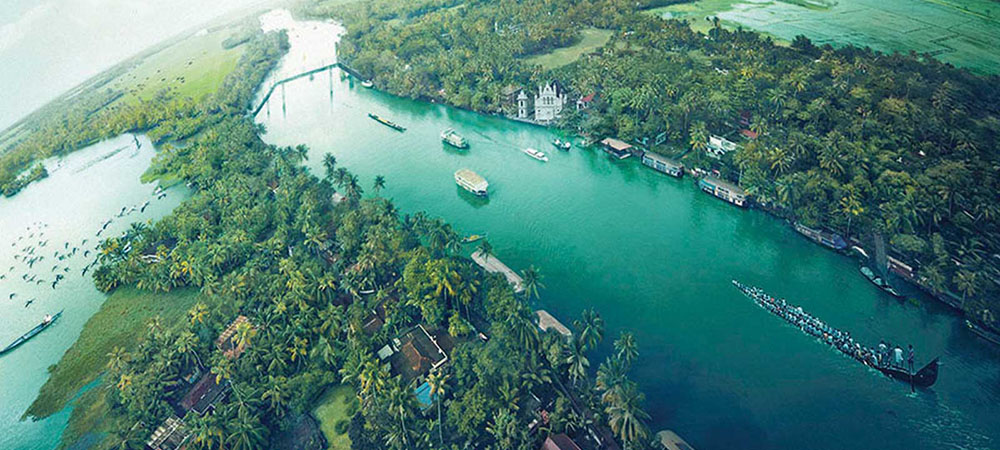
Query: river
[(83, 190), (654, 255)]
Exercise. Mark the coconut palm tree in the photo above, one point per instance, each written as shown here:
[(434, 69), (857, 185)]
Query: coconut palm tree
[(485, 249), (626, 417), (117, 360), (612, 380), (379, 184), (187, 346), (438, 381), (276, 394), (330, 165), (244, 333), (532, 281), (577, 360), (245, 432), (626, 349), (967, 283), (400, 403), (591, 328)]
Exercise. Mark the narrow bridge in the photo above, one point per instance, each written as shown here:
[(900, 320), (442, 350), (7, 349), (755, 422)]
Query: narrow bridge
[(282, 81)]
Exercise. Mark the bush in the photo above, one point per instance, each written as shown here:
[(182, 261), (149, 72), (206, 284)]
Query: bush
[(341, 426)]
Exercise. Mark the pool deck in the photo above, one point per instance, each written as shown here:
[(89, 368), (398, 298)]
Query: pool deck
[(494, 265)]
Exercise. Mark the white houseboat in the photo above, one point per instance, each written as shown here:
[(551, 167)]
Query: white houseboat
[(472, 182)]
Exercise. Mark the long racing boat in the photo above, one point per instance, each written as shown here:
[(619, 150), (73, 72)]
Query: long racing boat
[(46, 321), (386, 122), (884, 359)]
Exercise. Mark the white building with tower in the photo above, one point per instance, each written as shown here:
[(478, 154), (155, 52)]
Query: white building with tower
[(549, 102)]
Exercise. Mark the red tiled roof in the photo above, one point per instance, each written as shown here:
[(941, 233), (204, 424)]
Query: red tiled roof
[(749, 134), (559, 442), (588, 98)]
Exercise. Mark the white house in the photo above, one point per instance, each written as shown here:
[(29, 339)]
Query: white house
[(549, 102), (718, 146)]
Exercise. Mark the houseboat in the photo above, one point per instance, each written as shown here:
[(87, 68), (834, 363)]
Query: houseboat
[(561, 145), (824, 238), (386, 122), (616, 148), (536, 154), (663, 164), (724, 190), (472, 182), (454, 139)]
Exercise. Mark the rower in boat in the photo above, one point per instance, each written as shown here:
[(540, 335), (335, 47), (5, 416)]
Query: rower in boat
[(842, 341)]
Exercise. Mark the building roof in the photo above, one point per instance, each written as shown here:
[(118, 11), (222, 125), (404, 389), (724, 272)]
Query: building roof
[(749, 134), (725, 184), (204, 394), (587, 98), (559, 442), (417, 353), (547, 322), (225, 340), (171, 435), (662, 159), (616, 144)]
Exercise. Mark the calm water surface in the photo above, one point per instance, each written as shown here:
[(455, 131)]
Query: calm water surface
[(654, 255), (82, 192)]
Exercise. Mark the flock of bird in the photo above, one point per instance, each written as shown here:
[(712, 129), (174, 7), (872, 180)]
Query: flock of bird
[(32, 248)]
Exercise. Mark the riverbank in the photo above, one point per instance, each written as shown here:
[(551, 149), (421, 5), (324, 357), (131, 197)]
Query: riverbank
[(120, 321)]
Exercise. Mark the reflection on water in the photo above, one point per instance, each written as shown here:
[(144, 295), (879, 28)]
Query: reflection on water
[(654, 255)]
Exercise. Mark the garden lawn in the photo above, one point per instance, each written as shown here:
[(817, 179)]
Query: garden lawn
[(592, 39), (334, 407)]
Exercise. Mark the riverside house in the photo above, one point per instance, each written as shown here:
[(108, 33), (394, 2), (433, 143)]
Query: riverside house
[(663, 164), (549, 102), (171, 435), (618, 149), (718, 146), (724, 190)]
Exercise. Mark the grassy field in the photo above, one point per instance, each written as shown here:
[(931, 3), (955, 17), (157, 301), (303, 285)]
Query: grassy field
[(960, 32), (332, 409), (121, 321), (593, 38), (194, 67)]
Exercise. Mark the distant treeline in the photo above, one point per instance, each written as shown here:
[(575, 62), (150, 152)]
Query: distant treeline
[(862, 142)]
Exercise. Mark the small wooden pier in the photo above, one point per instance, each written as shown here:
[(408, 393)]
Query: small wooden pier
[(494, 265), (548, 322)]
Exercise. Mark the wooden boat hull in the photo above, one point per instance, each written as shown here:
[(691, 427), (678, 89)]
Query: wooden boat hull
[(925, 377), (983, 333)]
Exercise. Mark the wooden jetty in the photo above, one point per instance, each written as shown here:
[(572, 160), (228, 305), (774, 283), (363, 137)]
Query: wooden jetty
[(494, 265), (548, 322)]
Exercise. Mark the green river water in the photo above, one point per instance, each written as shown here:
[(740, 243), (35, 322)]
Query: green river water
[(654, 255), (651, 253), (82, 191)]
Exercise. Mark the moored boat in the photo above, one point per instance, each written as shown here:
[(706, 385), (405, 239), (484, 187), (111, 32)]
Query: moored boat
[(46, 322), (879, 282), (983, 332), (536, 154), (472, 238), (386, 122), (472, 182), (880, 359), (454, 139), (368, 84), (561, 145)]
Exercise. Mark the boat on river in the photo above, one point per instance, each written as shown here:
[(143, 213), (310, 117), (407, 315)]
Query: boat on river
[(454, 139), (367, 84), (983, 332), (841, 340), (536, 154), (386, 122), (561, 145), (46, 322), (473, 238), (472, 182), (879, 282)]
